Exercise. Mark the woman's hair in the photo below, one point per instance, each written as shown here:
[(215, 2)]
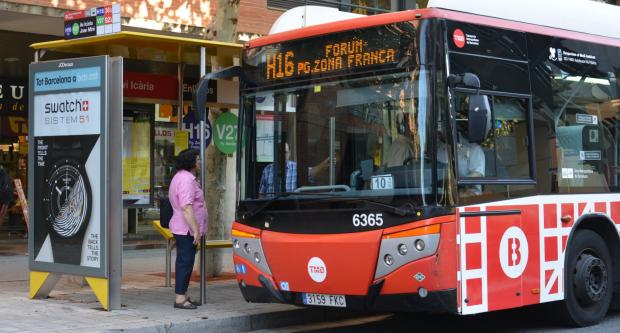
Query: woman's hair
[(186, 160)]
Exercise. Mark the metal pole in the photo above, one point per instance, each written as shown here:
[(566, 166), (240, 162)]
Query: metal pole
[(332, 150), (180, 96), (114, 166), (203, 172), (168, 260)]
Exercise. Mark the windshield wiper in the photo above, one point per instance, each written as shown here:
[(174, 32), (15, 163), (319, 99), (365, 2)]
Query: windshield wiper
[(403, 210), (250, 214)]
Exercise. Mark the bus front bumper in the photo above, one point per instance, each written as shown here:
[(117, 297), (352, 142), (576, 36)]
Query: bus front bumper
[(434, 301)]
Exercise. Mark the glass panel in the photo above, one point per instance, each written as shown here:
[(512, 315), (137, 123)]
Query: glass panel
[(502, 153), (358, 137), (470, 158), (510, 139), (586, 132), (137, 157), (163, 159)]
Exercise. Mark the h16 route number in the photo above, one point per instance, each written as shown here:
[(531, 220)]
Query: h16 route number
[(368, 220)]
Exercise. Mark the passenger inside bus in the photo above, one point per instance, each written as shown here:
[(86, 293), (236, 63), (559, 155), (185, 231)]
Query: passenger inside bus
[(266, 185)]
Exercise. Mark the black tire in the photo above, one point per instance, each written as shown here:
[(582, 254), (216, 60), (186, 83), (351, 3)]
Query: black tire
[(588, 281)]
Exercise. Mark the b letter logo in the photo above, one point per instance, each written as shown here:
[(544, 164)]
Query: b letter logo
[(513, 252)]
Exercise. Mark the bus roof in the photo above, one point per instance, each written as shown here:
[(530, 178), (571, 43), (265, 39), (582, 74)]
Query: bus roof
[(304, 16), (563, 29), (584, 16)]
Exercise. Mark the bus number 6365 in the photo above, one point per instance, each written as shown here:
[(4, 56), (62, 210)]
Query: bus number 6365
[(370, 220)]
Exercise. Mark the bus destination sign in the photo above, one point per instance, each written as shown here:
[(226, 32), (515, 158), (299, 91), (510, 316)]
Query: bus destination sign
[(356, 50), (355, 53)]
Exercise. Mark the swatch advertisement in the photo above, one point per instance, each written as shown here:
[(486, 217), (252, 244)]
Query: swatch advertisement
[(67, 178)]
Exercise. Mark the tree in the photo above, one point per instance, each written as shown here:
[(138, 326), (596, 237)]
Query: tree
[(220, 168)]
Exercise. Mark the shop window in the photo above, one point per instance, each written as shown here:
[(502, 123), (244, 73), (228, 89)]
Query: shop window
[(137, 155)]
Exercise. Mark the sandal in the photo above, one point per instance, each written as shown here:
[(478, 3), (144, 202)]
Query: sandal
[(196, 303), (185, 305)]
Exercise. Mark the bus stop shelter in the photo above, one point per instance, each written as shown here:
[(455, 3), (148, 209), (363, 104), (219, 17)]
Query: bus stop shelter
[(137, 47)]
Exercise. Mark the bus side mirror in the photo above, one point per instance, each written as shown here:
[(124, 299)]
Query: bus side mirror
[(479, 118), (466, 80)]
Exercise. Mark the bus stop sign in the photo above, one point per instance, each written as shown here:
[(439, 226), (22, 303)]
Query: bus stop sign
[(225, 134)]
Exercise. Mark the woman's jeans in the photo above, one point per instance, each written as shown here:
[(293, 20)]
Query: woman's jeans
[(186, 253)]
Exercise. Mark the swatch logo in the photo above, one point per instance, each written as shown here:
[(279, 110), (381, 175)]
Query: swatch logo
[(67, 106)]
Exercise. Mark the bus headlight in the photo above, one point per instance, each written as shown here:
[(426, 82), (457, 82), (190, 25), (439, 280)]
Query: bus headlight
[(402, 249), (419, 245), (410, 245), (247, 246)]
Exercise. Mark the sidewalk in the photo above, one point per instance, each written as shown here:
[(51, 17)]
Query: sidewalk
[(146, 304)]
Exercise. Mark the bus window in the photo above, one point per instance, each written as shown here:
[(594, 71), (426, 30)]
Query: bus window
[(509, 138), (355, 137), (586, 144), (502, 153)]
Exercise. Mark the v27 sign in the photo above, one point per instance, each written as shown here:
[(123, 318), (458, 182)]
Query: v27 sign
[(225, 133)]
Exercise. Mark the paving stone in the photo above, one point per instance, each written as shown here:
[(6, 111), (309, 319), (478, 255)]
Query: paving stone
[(72, 307)]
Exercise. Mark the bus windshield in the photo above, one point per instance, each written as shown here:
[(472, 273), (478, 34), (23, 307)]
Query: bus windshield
[(358, 137)]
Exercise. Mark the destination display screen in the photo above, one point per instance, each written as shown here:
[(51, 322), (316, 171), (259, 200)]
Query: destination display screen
[(350, 51)]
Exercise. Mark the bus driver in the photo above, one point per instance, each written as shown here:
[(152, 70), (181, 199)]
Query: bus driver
[(266, 185), (470, 156)]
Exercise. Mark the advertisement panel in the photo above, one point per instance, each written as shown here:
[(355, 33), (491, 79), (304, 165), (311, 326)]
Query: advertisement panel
[(67, 174), (137, 160), (94, 21)]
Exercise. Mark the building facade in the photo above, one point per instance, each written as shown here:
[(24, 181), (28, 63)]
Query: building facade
[(24, 22)]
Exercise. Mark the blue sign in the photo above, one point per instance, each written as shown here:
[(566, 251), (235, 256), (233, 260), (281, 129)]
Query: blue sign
[(64, 79), (240, 269), (192, 125)]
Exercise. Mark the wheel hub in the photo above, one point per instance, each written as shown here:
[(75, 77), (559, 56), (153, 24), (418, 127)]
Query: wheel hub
[(590, 279)]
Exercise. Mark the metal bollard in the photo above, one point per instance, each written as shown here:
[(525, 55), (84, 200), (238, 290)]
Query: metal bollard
[(168, 260)]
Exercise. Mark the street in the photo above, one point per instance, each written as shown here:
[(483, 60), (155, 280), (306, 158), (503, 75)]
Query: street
[(531, 319), (140, 266)]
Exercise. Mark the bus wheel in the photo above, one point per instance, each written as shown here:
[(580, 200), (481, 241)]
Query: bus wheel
[(589, 280)]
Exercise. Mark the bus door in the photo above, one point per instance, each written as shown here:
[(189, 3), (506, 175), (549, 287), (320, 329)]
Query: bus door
[(492, 158)]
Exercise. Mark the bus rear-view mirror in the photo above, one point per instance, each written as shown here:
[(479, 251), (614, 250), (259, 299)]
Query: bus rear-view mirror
[(479, 118)]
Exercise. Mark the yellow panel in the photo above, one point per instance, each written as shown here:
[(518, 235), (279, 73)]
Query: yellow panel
[(130, 44), (165, 232), (219, 243), (37, 279), (100, 287)]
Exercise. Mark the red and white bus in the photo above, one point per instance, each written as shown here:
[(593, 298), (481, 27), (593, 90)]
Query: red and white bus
[(463, 158)]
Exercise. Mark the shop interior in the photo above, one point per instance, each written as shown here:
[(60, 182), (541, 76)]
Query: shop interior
[(15, 55)]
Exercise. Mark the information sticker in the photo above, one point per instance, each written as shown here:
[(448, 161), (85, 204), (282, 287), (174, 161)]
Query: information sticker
[(382, 182)]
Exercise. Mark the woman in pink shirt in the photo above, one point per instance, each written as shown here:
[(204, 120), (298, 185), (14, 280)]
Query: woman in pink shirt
[(188, 222)]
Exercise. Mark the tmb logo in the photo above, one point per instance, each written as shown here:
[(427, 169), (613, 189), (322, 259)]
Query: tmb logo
[(513, 252), (317, 269), (458, 37)]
